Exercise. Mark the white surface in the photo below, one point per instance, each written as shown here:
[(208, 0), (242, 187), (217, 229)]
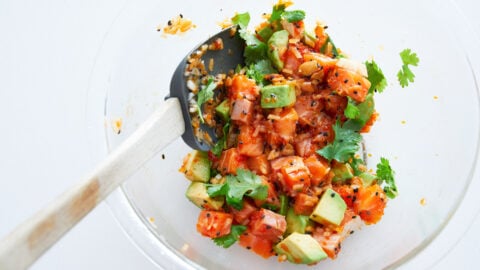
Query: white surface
[(47, 51)]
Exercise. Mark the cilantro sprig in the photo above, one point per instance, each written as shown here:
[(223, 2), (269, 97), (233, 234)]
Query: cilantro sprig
[(351, 111), (344, 146), (405, 75), (375, 77), (241, 19), (245, 183), (227, 240), (258, 71), (205, 94), (385, 174)]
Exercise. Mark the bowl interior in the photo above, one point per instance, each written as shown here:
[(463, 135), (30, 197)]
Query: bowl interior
[(429, 131)]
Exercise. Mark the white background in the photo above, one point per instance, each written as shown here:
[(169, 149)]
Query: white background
[(47, 52)]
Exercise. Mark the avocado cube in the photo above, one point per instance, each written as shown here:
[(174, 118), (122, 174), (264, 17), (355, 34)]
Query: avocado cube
[(277, 96), (277, 46), (342, 172), (196, 166), (296, 223), (367, 179), (330, 210), (301, 249), (197, 194), (223, 110)]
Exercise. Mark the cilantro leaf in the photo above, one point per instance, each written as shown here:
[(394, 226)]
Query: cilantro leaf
[(227, 240), (244, 183), (293, 16), (335, 52), (409, 58), (351, 111), (222, 143), (375, 77), (255, 50), (241, 19), (405, 75), (344, 146), (276, 13), (258, 70), (385, 173), (205, 94)]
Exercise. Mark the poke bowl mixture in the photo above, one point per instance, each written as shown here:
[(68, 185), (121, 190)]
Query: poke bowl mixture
[(286, 176)]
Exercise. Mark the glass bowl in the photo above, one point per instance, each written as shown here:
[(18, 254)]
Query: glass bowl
[(429, 131)]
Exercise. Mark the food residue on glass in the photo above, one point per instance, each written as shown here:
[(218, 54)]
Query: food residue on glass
[(177, 25), (117, 125)]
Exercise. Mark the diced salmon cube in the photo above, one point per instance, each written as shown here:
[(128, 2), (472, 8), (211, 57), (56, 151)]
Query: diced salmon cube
[(242, 111), (318, 168), (348, 83), (295, 175), (304, 204), (248, 144), (259, 164), (268, 224), (230, 160), (242, 87)]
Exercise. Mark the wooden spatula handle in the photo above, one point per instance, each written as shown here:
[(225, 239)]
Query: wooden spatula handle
[(32, 238)]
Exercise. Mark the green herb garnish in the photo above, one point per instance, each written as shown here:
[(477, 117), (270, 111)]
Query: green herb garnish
[(227, 240), (375, 77), (245, 183), (205, 94), (344, 146), (405, 75), (293, 16), (351, 111), (385, 173)]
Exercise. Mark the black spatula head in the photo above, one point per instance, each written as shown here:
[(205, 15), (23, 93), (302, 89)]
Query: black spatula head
[(224, 60)]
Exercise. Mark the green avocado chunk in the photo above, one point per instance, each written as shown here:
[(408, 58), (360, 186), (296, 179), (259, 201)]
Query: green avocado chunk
[(301, 249), (277, 45), (223, 110), (197, 194), (197, 166), (367, 179), (342, 172), (330, 209), (277, 96), (296, 223)]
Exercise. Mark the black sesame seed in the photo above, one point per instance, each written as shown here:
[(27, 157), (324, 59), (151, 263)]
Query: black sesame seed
[(346, 81), (332, 195), (181, 16), (169, 23)]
